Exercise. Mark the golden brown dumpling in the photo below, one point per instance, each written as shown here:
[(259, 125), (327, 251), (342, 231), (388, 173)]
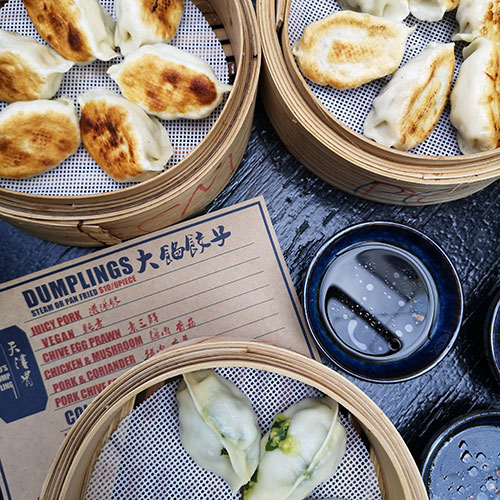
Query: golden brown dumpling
[(124, 141), (79, 30), (142, 22), (37, 135), (347, 49), (168, 82), (28, 69)]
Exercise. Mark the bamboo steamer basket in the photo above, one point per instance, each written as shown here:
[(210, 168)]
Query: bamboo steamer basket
[(179, 192), (343, 157), (398, 475)]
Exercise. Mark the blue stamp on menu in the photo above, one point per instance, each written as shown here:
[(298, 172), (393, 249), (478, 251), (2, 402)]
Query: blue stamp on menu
[(22, 391)]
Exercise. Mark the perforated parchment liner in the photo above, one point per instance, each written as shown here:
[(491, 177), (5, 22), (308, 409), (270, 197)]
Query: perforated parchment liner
[(351, 106), (79, 174), (144, 458)]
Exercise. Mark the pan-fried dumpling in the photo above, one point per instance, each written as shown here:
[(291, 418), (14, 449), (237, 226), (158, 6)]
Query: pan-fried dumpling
[(301, 450), (431, 10), (475, 98), (28, 69), (124, 141), (409, 106), (347, 49), (168, 82), (218, 427), (478, 18), (397, 10), (142, 22), (37, 135), (79, 30)]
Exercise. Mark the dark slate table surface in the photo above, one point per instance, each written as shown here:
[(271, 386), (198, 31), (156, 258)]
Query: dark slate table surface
[(305, 212)]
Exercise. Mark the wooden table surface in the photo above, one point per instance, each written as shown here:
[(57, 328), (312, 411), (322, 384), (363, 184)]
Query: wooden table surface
[(305, 212)]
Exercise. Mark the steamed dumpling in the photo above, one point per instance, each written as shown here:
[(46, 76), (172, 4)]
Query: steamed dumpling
[(28, 69), (301, 450), (218, 427), (475, 98), (37, 135), (432, 10), (123, 140), (79, 30), (347, 49), (478, 18), (141, 22), (168, 82), (409, 106), (397, 10)]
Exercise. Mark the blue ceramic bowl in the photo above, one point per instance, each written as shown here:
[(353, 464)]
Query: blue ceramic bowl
[(462, 460), (430, 301), (492, 335)]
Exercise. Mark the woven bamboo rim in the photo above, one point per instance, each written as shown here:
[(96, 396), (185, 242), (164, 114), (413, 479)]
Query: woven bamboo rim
[(69, 470), (180, 191), (317, 138)]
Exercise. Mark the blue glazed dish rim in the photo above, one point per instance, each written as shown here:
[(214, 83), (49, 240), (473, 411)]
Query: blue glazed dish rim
[(445, 433), (493, 335), (451, 303)]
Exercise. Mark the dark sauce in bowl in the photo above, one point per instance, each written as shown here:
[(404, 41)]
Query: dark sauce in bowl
[(378, 301), (464, 460)]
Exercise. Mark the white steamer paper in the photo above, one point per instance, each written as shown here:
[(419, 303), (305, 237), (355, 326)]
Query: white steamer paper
[(79, 175)]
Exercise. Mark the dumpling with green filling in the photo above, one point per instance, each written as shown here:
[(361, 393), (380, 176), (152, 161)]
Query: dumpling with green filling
[(218, 427), (301, 450)]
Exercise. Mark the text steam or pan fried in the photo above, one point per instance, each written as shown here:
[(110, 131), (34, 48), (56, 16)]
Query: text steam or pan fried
[(168, 82), (409, 106), (397, 10), (431, 10), (79, 30), (36, 135), (478, 18), (218, 427), (142, 22), (124, 141), (304, 450), (347, 49), (475, 98), (28, 69)]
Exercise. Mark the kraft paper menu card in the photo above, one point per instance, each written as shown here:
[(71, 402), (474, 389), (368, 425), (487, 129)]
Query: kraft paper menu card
[(69, 331)]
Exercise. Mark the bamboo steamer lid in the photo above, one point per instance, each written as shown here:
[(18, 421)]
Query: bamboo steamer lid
[(179, 192), (69, 471), (343, 157)]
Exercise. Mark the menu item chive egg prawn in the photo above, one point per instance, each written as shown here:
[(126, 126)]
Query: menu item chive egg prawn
[(28, 69), (347, 49), (169, 82), (79, 30), (408, 108), (141, 22), (301, 450), (218, 427), (124, 141), (37, 135)]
